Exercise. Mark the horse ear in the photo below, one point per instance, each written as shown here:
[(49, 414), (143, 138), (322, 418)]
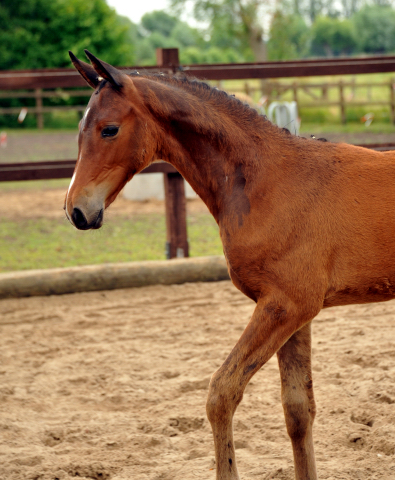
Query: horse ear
[(105, 70), (86, 71)]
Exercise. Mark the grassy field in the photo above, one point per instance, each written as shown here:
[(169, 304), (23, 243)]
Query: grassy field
[(356, 93), (48, 243)]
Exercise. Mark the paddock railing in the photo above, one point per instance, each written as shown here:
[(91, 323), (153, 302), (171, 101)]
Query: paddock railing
[(168, 61), (317, 94), (61, 84), (340, 94)]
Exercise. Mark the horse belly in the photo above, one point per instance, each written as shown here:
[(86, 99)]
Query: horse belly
[(348, 296), (366, 290)]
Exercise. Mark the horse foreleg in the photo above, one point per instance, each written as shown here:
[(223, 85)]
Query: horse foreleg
[(273, 322), (294, 359)]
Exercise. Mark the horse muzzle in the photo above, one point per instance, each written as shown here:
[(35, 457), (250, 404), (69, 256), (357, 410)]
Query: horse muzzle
[(80, 221), (85, 210)]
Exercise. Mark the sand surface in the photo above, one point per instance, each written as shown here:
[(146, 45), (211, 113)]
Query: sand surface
[(48, 203), (112, 385)]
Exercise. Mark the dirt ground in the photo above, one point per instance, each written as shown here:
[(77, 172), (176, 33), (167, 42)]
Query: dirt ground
[(48, 203), (37, 146), (112, 385)]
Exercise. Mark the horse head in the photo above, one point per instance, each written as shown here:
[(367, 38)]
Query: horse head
[(110, 142)]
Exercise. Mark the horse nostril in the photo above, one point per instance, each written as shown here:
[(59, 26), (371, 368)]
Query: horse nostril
[(79, 219), (99, 220)]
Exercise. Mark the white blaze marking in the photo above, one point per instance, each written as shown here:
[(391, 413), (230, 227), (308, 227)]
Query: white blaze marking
[(84, 118), (72, 181)]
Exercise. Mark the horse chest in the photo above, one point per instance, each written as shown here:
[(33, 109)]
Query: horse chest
[(245, 270)]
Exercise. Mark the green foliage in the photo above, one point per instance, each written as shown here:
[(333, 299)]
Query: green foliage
[(158, 29), (332, 36), (161, 30), (160, 22), (375, 27), (194, 55), (183, 34), (232, 23), (39, 33), (289, 37)]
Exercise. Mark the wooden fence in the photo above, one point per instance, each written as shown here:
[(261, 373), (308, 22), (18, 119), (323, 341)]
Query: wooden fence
[(318, 94), (167, 60), (51, 83), (38, 94), (270, 91)]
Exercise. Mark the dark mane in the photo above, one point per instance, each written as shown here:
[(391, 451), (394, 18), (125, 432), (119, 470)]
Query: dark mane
[(206, 92), (231, 104)]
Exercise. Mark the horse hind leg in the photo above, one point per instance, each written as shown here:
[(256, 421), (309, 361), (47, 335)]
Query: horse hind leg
[(294, 360)]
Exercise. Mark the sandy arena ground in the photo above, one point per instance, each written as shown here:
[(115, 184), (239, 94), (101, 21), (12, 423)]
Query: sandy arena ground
[(48, 202), (112, 385)]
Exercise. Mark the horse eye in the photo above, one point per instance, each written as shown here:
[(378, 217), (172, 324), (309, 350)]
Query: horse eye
[(109, 131)]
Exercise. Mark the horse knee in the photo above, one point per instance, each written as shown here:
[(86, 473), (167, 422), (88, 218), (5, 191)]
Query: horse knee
[(299, 413), (222, 400)]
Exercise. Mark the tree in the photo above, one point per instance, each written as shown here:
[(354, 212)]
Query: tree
[(350, 7), (289, 37), (309, 10), (159, 29), (39, 33), (240, 19), (194, 55), (376, 29), (331, 36), (160, 22)]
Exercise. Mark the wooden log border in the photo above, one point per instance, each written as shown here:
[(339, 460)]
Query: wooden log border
[(111, 276)]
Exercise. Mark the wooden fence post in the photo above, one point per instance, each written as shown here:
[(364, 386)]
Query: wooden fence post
[(295, 91), (325, 92), (247, 88), (168, 59), (39, 108), (342, 103), (176, 217), (175, 202)]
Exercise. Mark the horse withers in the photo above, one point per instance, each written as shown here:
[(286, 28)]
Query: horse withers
[(304, 224)]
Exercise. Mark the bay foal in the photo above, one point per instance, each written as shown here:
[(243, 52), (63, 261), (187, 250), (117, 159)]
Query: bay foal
[(304, 224)]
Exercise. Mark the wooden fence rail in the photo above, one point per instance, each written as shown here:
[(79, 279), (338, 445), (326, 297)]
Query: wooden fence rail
[(39, 94), (270, 91), (167, 61)]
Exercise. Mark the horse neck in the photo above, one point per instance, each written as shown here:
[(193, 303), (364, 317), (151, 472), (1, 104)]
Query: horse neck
[(213, 146)]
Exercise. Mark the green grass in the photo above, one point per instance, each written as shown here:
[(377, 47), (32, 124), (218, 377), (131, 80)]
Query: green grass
[(49, 243), (329, 114), (35, 131), (35, 185), (349, 128)]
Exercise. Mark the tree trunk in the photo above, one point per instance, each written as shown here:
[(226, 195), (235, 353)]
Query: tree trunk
[(258, 46)]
